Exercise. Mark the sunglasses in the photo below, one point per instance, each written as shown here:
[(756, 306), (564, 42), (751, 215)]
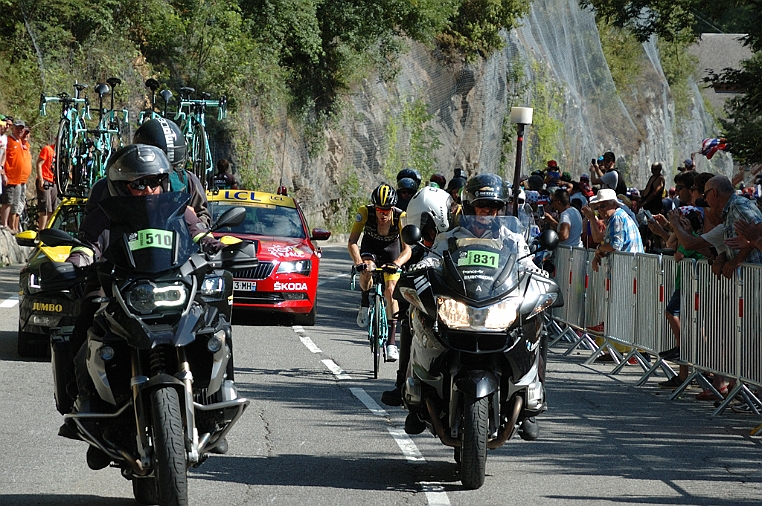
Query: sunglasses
[(405, 192), (489, 205), (382, 210), (706, 193), (146, 182), (679, 187)]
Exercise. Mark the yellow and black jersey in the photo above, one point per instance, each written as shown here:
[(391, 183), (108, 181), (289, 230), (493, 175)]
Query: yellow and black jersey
[(372, 241)]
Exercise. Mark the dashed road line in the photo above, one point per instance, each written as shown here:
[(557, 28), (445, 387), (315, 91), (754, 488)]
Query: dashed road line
[(11, 302), (306, 341), (336, 370)]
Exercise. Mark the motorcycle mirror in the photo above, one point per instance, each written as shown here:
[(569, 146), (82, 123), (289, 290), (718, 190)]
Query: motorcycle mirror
[(56, 237), (411, 234), (231, 218), (549, 240)]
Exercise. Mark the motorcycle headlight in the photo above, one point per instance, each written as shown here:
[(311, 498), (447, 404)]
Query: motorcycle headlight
[(212, 286), (457, 315), (33, 283), (299, 267), (145, 297)]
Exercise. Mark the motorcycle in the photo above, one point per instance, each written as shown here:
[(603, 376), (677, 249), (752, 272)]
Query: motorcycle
[(478, 347), (157, 362)]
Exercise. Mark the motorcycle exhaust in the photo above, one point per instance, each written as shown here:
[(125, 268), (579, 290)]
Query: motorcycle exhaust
[(446, 439), (510, 428)]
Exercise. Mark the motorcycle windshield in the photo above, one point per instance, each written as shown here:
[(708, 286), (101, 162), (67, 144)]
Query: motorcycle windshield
[(485, 267), (148, 234)]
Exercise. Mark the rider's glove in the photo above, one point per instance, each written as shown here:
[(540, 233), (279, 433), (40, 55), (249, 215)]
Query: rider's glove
[(211, 245), (391, 268), (361, 267)]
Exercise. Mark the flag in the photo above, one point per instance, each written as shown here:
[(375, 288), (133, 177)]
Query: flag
[(710, 146)]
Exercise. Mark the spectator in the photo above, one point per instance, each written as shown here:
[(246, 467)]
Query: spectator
[(668, 203), (406, 188), (16, 170), (621, 232), (552, 175), (607, 175), (650, 197), (576, 197), (47, 191), (569, 223), (224, 180), (719, 194), (584, 186), (658, 228), (4, 127), (688, 165)]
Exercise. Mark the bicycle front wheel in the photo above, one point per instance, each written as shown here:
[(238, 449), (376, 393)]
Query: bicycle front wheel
[(379, 319), (198, 154), (63, 160)]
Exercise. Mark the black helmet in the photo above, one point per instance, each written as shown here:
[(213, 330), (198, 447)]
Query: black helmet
[(411, 173), (133, 162), (484, 187), (167, 136), (407, 183), (456, 183), (384, 196)]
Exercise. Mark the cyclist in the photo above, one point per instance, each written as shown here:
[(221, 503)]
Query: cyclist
[(224, 180), (406, 188), (429, 210), (379, 224)]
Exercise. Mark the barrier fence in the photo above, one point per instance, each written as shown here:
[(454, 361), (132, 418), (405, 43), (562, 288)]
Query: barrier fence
[(621, 309)]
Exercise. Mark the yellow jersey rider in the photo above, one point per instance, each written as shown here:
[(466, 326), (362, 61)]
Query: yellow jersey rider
[(379, 224)]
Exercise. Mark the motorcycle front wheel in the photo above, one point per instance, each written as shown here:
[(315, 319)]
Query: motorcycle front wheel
[(473, 454), (169, 447)]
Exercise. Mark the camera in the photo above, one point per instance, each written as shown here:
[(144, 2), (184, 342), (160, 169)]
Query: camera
[(47, 185), (593, 161)]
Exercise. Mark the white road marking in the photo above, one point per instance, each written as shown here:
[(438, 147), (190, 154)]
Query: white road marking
[(306, 341), (435, 494), (332, 278), (12, 302), (336, 370)]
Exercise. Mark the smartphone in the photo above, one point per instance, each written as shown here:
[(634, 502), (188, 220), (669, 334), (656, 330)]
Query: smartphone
[(540, 210), (594, 161), (649, 216)]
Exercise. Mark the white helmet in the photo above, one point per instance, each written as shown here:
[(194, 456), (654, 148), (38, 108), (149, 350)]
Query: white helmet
[(429, 204)]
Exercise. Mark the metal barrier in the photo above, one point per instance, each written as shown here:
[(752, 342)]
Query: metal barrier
[(624, 303)]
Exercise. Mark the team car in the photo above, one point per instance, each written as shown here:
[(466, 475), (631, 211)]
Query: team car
[(40, 311), (287, 276)]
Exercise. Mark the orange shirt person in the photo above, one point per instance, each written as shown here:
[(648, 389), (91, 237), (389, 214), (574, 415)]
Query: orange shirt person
[(47, 192), (17, 168)]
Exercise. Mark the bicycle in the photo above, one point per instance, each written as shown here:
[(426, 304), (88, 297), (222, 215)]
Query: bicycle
[(69, 139), (193, 125), (106, 137), (149, 114), (378, 328)]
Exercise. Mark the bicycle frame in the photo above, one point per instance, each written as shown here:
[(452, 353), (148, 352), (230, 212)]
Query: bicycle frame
[(378, 328)]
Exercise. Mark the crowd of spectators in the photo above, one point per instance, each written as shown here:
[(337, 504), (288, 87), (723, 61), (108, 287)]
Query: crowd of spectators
[(16, 167)]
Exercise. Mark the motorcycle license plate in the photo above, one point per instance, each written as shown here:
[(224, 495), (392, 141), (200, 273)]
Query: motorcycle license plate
[(248, 286)]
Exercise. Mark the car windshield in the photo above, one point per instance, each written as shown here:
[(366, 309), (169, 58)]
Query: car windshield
[(264, 220), (68, 219)]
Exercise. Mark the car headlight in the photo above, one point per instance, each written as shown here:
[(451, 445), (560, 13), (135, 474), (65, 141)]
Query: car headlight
[(457, 315), (212, 286), (299, 267), (145, 297)]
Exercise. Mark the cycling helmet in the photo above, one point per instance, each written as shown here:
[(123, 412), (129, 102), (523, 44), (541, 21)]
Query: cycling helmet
[(411, 173), (439, 179), (429, 207), (484, 187), (407, 183), (134, 162), (167, 136), (456, 183), (384, 196)]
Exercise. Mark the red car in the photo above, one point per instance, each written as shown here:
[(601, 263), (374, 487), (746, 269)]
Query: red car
[(287, 276)]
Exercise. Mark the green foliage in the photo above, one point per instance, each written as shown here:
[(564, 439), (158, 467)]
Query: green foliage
[(546, 133), (623, 53), (679, 67), (412, 140), (341, 211), (744, 131)]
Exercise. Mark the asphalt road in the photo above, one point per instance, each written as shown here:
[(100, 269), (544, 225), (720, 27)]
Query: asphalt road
[(316, 432)]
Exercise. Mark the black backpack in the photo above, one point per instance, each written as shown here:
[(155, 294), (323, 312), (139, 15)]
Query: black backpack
[(621, 186)]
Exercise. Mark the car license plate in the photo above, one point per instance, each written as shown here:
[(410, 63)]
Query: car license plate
[(244, 286)]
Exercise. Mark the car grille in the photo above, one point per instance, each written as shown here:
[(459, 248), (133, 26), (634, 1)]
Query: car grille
[(262, 271), (258, 298)]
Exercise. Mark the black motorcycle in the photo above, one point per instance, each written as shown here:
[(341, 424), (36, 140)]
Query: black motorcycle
[(477, 356), (157, 362)]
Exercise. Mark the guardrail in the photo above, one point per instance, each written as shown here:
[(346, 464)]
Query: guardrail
[(621, 307)]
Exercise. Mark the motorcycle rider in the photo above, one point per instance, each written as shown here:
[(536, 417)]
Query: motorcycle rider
[(484, 197), (429, 210), (379, 224), (135, 170)]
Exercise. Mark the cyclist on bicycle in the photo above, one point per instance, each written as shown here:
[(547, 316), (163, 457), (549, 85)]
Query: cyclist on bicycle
[(379, 224), (430, 211)]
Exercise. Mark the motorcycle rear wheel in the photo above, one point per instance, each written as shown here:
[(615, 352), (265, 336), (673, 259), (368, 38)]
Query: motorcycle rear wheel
[(144, 490), (474, 442), (169, 447)]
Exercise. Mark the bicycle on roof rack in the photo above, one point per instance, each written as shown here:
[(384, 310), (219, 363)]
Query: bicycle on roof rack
[(152, 113), (191, 118), (69, 139), (106, 138)]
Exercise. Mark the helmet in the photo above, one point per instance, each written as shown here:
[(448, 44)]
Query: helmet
[(407, 183), (167, 136), (384, 196), (456, 183), (484, 187), (411, 173), (430, 206), (134, 162), (439, 179)]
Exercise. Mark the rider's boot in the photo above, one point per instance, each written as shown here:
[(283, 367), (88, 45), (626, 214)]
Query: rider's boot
[(394, 397), (413, 424), (529, 430)]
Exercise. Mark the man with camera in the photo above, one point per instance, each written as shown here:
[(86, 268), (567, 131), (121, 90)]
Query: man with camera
[(47, 191)]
